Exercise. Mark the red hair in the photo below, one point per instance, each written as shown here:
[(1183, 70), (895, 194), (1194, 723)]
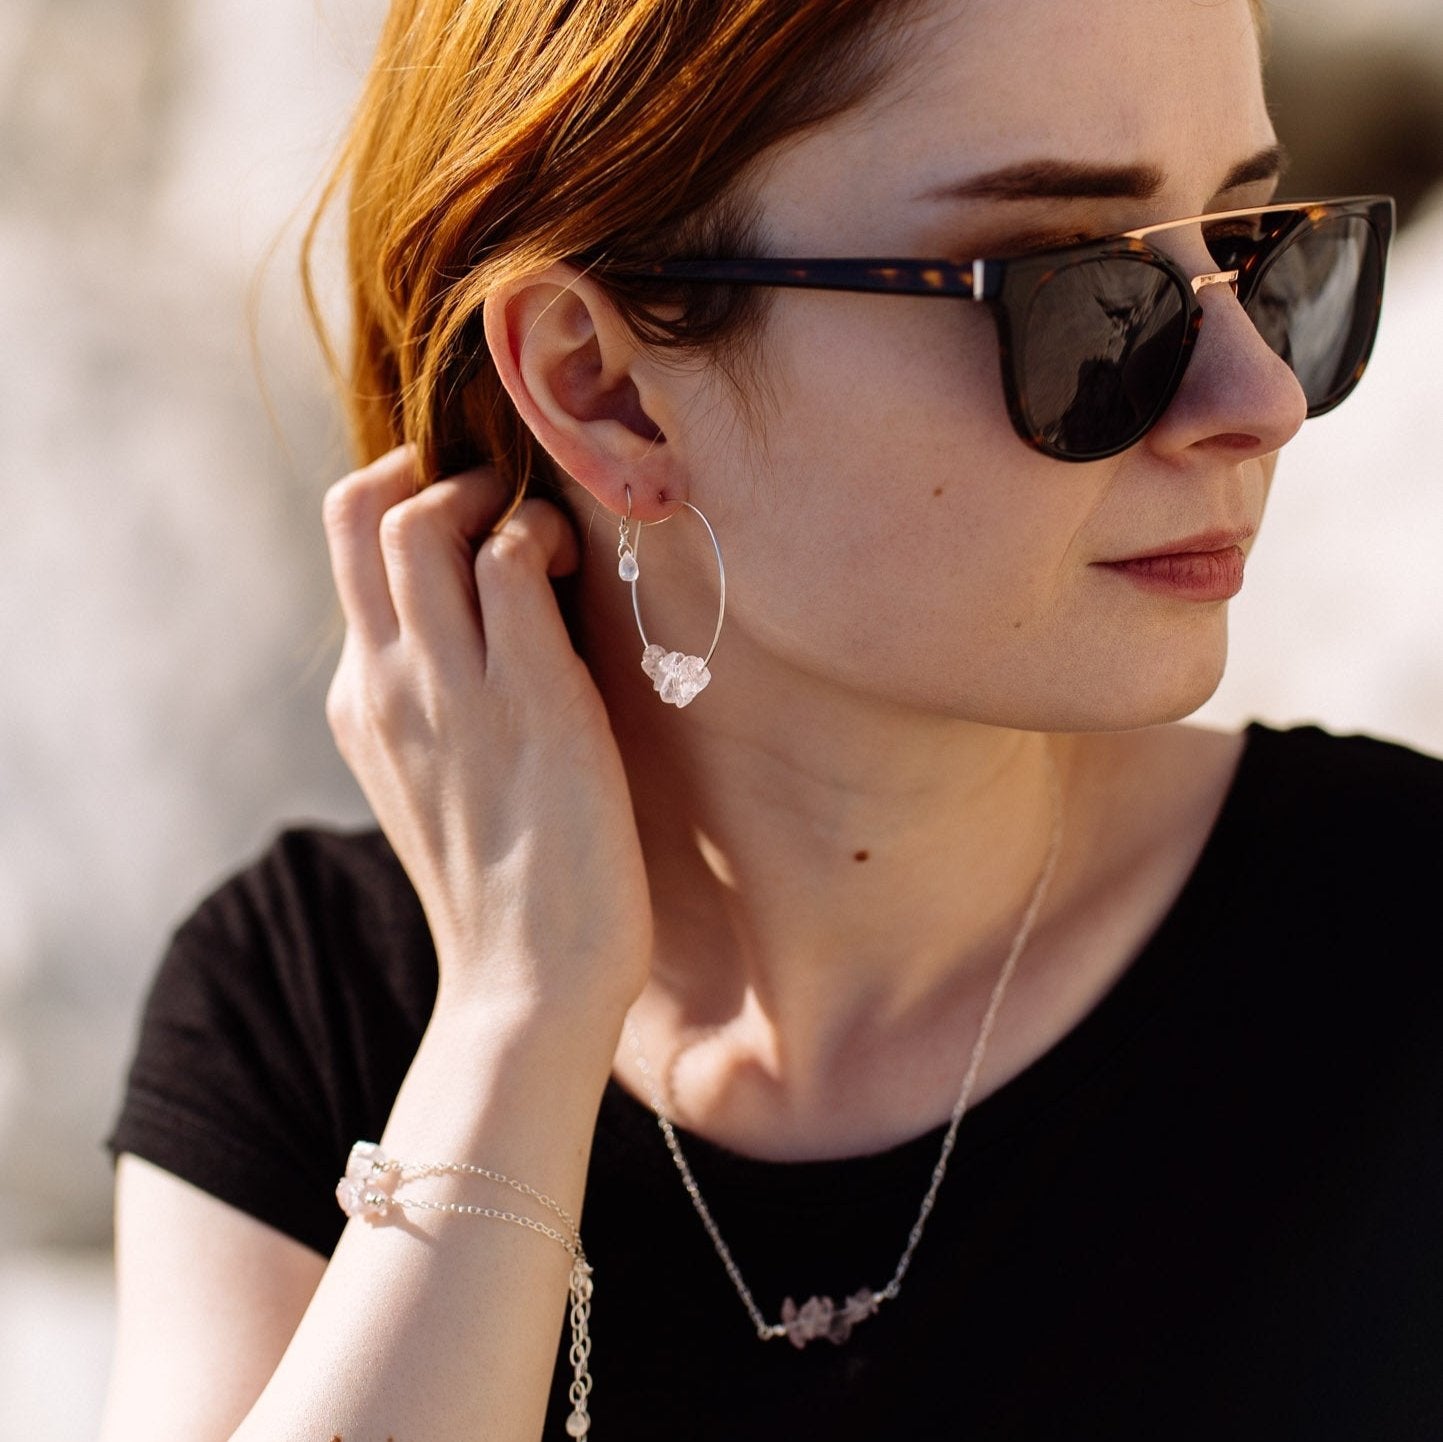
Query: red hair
[(495, 137)]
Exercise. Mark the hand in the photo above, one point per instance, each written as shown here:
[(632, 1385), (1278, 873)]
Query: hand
[(482, 743)]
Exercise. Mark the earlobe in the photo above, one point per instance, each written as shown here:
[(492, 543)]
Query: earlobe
[(570, 365)]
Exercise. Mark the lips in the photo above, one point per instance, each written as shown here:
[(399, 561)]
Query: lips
[(1205, 542), (1204, 567)]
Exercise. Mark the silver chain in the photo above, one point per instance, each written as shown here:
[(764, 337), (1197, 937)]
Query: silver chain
[(864, 1303), (467, 1209), (418, 1171), (389, 1173)]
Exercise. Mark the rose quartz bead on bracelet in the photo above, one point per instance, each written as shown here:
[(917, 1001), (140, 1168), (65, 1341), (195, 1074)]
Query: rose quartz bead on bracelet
[(365, 1190)]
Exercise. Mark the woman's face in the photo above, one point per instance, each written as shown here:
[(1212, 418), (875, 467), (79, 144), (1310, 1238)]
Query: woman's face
[(883, 526)]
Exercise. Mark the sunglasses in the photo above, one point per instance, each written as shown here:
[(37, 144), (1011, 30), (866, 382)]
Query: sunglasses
[(1095, 337)]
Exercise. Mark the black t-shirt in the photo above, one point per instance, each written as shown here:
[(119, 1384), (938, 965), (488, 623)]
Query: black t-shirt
[(1213, 1210)]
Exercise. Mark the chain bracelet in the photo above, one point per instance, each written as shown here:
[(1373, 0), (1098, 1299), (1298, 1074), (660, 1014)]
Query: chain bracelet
[(368, 1190), (469, 1209), (419, 1171), (579, 1422)]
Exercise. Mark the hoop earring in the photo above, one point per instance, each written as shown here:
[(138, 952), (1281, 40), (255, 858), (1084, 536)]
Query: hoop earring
[(676, 676)]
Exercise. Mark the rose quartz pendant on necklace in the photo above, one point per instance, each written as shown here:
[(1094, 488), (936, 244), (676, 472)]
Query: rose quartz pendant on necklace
[(821, 1317)]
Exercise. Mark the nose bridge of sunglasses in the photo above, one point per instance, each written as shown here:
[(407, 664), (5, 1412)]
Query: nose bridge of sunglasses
[(1228, 278), (1185, 246)]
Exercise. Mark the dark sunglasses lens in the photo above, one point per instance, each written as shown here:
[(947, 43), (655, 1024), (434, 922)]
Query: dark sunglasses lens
[(1316, 305), (1101, 352)]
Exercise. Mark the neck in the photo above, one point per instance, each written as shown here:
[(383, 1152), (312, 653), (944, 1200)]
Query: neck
[(824, 865)]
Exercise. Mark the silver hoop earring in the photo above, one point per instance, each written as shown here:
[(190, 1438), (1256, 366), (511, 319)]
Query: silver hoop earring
[(676, 676)]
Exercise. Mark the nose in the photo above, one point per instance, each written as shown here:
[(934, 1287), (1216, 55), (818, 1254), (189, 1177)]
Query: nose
[(1237, 395)]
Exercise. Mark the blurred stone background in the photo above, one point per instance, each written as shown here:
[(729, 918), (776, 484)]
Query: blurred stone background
[(166, 636)]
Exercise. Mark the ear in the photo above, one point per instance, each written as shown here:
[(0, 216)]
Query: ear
[(581, 381)]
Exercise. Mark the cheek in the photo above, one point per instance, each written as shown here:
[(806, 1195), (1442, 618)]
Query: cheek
[(890, 418), (910, 514), (901, 376)]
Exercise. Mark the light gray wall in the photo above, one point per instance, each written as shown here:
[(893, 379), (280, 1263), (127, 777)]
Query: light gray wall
[(165, 604)]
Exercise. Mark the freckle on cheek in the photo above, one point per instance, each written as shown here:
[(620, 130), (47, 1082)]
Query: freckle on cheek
[(862, 856), (938, 491)]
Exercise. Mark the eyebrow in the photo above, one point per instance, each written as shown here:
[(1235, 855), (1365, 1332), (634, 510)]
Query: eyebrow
[(1269, 163), (1068, 180)]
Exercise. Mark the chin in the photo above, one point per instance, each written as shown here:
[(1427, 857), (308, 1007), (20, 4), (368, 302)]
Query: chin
[(1135, 680), (1124, 679), (1135, 702), (1148, 692)]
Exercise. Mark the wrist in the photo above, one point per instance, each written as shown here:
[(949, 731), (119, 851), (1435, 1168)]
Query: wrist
[(504, 1024)]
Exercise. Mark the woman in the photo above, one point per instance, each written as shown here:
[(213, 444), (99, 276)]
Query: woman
[(1025, 1081)]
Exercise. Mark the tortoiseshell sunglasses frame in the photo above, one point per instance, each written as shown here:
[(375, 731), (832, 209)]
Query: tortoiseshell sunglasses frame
[(1009, 285)]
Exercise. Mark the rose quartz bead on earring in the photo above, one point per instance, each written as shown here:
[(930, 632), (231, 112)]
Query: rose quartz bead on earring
[(365, 1190), (677, 677)]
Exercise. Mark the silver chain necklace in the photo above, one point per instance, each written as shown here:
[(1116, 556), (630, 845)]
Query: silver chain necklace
[(821, 1316)]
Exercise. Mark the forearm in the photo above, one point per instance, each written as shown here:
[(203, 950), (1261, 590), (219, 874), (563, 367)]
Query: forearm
[(438, 1326)]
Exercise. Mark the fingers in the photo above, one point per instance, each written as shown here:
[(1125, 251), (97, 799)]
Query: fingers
[(427, 544), (405, 564), (402, 556), (522, 621), (352, 513)]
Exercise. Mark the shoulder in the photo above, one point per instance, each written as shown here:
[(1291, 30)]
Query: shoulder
[(1328, 848), (308, 876), (1351, 791), (323, 924), (314, 892), (1327, 918), (279, 1025), (1299, 842)]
